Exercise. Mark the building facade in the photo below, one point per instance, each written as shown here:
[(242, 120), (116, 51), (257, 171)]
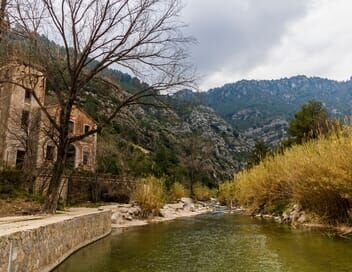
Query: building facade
[(25, 139)]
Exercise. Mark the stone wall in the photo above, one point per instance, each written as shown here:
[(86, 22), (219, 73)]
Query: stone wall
[(42, 245), (97, 188)]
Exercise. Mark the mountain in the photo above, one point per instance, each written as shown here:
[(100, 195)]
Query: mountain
[(262, 108), (185, 139), (216, 128)]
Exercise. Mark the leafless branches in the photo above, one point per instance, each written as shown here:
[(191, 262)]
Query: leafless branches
[(143, 37)]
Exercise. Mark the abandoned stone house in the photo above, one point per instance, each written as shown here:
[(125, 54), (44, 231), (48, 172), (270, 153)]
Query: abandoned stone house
[(25, 137)]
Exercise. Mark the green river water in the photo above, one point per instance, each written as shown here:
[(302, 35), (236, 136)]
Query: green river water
[(217, 242)]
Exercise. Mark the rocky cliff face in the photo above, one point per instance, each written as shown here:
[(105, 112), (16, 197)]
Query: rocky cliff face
[(229, 119), (261, 109), (271, 132), (165, 136), (229, 146)]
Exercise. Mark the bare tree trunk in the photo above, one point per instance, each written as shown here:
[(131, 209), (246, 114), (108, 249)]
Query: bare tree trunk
[(3, 26), (145, 37), (53, 193)]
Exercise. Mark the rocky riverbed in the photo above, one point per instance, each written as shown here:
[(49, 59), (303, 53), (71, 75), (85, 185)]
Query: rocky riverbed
[(295, 216), (128, 215)]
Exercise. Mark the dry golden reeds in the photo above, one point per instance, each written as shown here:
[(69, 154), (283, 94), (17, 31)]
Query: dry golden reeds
[(317, 175), (150, 195)]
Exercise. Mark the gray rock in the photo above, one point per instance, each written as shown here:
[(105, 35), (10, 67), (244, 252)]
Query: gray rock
[(297, 208), (267, 216), (167, 212), (124, 210), (294, 216), (129, 218), (278, 219), (302, 219), (202, 204), (176, 206), (187, 200), (135, 211), (286, 217), (115, 217)]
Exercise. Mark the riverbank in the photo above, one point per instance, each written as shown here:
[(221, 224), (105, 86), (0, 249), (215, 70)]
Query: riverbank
[(296, 216), (306, 184), (213, 242), (40, 243), (129, 215)]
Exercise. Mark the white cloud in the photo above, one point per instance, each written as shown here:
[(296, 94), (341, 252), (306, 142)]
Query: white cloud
[(270, 39)]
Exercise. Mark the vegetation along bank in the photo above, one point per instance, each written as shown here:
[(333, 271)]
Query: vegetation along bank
[(306, 183)]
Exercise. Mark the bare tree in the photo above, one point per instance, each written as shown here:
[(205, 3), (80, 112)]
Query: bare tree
[(3, 18), (143, 37)]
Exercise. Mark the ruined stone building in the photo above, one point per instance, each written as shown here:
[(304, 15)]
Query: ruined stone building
[(25, 138)]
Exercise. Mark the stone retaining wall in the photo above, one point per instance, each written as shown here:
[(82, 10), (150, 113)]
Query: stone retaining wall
[(42, 245)]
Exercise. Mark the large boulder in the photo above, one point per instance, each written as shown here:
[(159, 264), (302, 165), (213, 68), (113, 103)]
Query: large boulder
[(116, 218), (135, 211)]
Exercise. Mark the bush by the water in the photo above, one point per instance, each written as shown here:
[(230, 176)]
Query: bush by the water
[(226, 194), (317, 175), (150, 195), (202, 192), (177, 191)]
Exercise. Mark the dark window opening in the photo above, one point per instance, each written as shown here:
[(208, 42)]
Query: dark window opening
[(85, 157), (86, 129), (70, 127), (49, 156), (27, 96), (25, 118), (20, 158), (71, 157)]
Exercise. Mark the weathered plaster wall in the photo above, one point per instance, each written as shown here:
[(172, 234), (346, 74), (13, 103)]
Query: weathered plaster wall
[(12, 103), (43, 245)]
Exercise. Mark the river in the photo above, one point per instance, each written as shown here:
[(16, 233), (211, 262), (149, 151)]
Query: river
[(220, 242)]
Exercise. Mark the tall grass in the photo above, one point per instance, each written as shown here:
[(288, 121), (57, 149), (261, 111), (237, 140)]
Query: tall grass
[(150, 195), (227, 194), (317, 175), (177, 191), (202, 192)]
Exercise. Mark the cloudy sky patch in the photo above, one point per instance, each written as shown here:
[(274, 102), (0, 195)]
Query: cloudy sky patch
[(265, 39)]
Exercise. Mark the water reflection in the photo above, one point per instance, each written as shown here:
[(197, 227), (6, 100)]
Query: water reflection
[(213, 243)]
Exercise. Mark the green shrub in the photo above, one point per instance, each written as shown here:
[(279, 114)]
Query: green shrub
[(214, 193), (201, 192), (150, 195), (11, 182), (178, 191), (276, 208), (12, 176)]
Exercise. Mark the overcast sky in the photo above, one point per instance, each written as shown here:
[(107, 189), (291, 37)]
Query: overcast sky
[(268, 39)]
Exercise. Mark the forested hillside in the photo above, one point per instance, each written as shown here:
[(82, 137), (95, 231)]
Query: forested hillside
[(181, 141), (261, 108), (207, 133)]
